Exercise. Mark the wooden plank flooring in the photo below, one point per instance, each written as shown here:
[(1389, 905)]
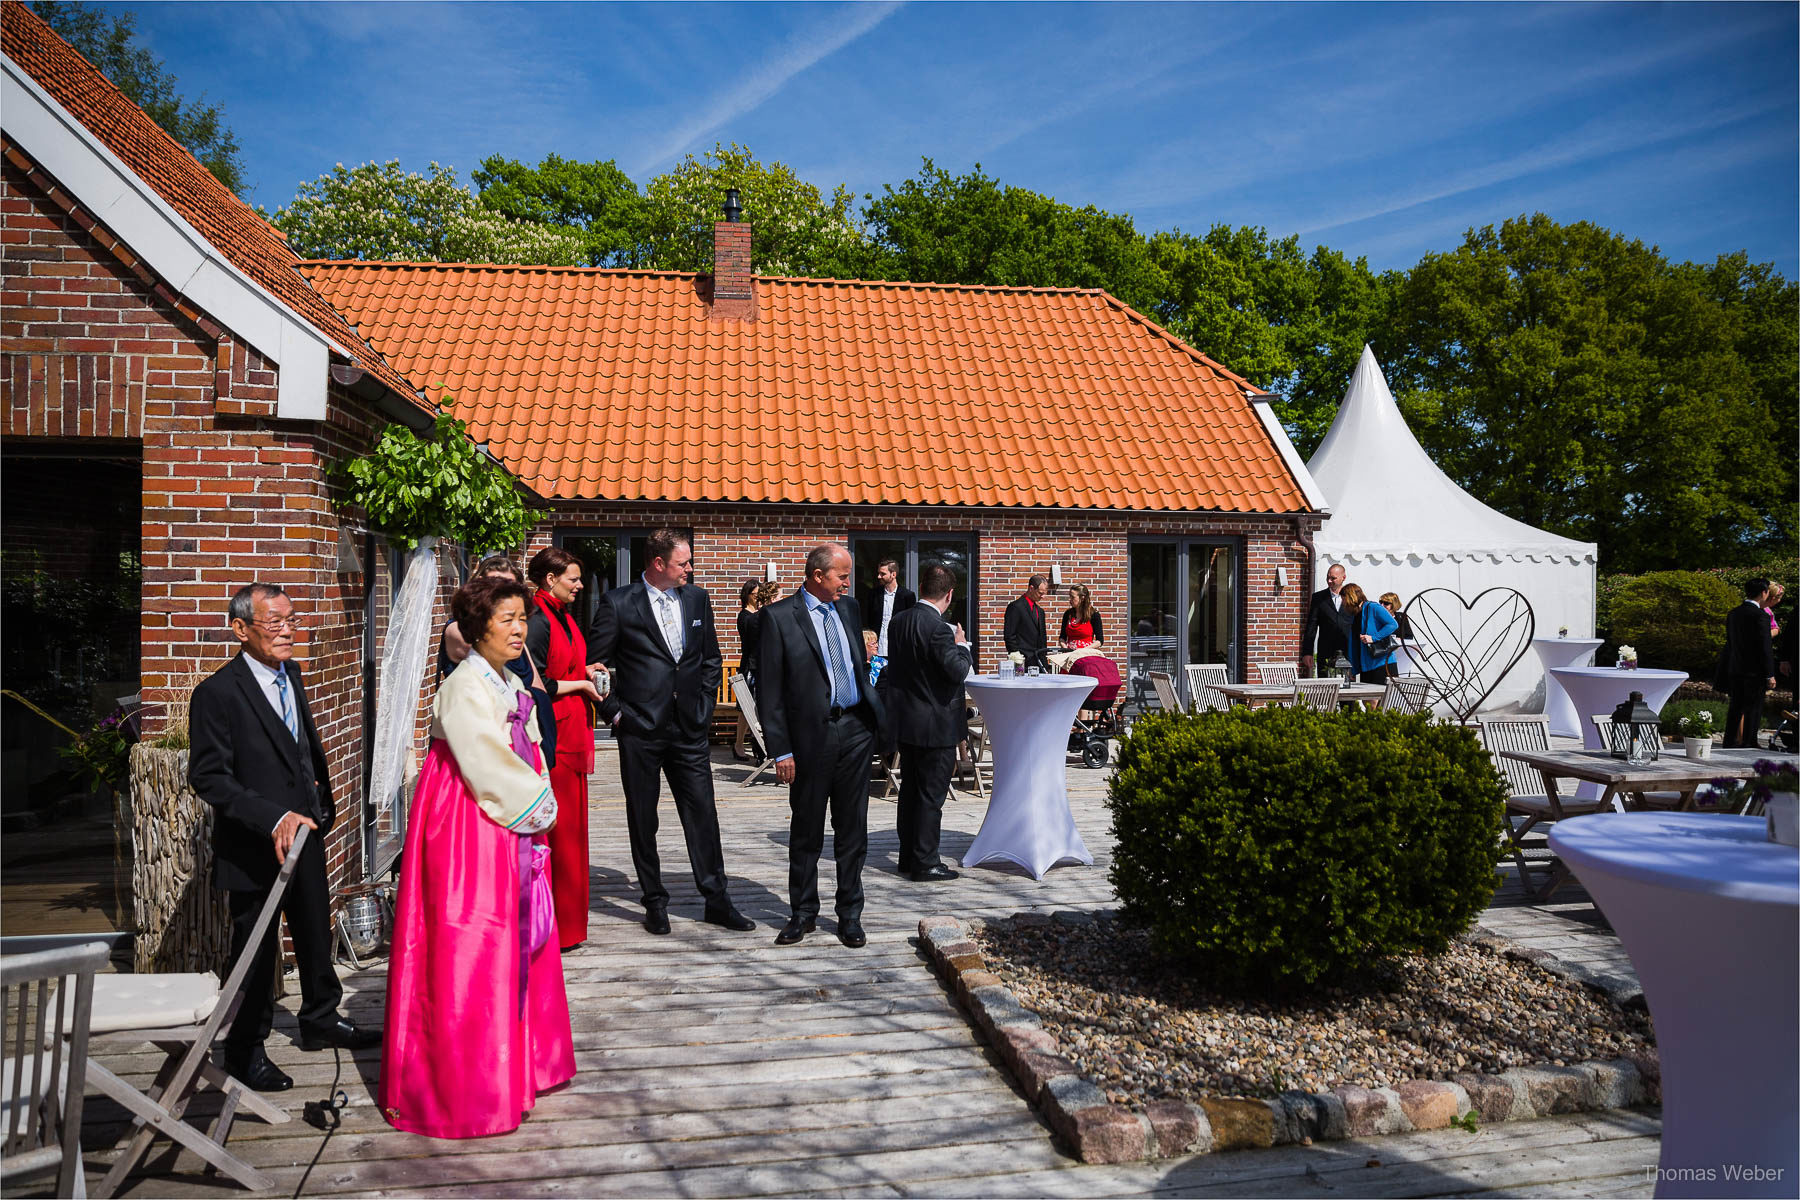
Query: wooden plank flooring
[(718, 1064)]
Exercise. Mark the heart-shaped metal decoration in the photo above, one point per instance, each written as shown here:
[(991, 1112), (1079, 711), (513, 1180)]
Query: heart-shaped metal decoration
[(1469, 646)]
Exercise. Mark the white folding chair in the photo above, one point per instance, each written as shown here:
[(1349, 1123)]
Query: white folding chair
[(1407, 694), (181, 1014), (1200, 680), (1164, 685), (1531, 797), (1320, 695), (1279, 674), (42, 1112), (746, 702)]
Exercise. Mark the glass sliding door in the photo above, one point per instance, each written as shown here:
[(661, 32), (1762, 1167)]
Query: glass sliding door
[(1153, 639), (1211, 605), (913, 553), (613, 559), (1185, 607)]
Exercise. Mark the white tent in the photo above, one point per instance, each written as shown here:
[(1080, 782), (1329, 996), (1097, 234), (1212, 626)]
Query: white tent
[(1398, 524)]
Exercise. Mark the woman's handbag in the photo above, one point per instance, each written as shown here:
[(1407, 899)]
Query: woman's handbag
[(1385, 646)]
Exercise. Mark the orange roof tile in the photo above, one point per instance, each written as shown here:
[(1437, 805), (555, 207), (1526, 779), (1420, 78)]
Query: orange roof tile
[(606, 384), (247, 241)]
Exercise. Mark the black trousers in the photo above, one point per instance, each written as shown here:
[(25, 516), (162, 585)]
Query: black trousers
[(1746, 696), (924, 784), (687, 763), (307, 905), (835, 779)]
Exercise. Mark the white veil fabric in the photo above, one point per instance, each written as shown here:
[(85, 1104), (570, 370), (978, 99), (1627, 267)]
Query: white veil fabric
[(402, 674)]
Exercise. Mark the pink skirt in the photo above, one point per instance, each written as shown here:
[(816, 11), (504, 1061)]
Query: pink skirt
[(475, 1028)]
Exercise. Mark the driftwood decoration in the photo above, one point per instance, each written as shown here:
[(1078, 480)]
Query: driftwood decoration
[(183, 923)]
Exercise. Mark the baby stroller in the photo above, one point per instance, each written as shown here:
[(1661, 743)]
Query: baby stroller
[(1092, 738)]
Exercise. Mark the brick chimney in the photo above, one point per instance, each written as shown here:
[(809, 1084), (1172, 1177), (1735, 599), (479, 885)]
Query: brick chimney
[(734, 286)]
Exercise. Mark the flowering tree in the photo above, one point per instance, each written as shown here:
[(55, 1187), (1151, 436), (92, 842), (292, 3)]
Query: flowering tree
[(378, 211)]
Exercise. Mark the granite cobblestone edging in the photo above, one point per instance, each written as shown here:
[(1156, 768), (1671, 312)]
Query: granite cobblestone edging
[(1099, 1131)]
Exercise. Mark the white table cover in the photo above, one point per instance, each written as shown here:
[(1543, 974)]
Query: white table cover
[(1028, 821), (1709, 911), (1562, 652)]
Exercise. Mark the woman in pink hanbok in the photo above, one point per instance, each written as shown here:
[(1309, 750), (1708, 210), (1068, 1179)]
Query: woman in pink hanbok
[(477, 1019)]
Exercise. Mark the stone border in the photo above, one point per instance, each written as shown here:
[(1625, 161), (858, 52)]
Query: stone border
[(1102, 1132)]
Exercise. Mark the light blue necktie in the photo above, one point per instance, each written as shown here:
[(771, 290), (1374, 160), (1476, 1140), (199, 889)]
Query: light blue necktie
[(287, 702), (843, 691)]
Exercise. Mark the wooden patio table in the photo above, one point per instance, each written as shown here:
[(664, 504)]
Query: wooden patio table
[(1633, 780), (1262, 693)]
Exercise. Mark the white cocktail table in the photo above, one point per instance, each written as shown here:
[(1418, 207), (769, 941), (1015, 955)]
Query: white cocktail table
[(1710, 913), (1028, 821), (1562, 652)]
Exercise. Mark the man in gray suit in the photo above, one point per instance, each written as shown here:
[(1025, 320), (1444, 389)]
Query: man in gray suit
[(928, 659)]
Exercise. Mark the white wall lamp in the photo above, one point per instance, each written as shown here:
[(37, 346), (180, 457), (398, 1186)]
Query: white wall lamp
[(1281, 577), (770, 574), (1055, 575)]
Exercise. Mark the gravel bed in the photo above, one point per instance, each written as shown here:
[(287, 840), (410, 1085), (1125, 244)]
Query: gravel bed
[(1143, 1030)]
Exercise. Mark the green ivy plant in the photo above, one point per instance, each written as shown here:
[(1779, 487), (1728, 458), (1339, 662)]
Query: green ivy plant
[(438, 485)]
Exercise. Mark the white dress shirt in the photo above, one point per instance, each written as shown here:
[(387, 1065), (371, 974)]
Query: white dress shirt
[(887, 614), (670, 624), (264, 675)]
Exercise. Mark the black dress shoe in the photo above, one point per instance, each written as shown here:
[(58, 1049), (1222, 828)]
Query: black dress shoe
[(794, 930), (258, 1073), (656, 920), (729, 918), (341, 1033), (851, 934), (935, 874)]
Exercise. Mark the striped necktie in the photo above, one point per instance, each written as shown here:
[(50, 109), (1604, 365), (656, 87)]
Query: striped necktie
[(287, 701)]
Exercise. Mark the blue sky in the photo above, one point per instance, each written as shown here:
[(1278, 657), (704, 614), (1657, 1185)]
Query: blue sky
[(1379, 130)]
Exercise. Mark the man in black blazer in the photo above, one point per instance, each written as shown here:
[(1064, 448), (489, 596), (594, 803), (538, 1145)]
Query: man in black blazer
[(885, 601), (928, 659), (255, 757), (1025, 631), (1749, 662), (656, 636), (820, 717), (1327, 631)]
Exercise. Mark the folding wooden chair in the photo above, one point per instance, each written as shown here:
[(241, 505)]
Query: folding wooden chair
[(746, 702), (1407, 694), (1280, 674), (42, 1112), (181, 1014), (972, 759), (1200, 680), (1164, 684), (1531, 797), (1320, 695)]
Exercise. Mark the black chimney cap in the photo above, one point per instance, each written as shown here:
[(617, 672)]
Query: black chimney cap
[(733, 212)]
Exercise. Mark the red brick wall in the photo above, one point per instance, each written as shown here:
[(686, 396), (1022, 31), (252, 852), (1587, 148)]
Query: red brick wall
[(95, 346), (735, 542)]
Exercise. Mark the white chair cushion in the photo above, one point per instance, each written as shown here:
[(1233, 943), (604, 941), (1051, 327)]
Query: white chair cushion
[(125, 1002)]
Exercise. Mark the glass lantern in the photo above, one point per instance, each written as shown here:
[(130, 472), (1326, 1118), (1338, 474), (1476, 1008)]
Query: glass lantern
[(1636, 733)]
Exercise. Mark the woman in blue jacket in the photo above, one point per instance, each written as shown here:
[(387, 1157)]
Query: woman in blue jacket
[(1373, 622)]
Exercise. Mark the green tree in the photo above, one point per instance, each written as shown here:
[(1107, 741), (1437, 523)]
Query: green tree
[(593, 201), (1578, 381), (112, 47), (796, 230), (378, 211)]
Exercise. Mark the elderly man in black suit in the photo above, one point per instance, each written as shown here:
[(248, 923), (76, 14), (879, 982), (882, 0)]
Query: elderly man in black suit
[(1025, 631), (928, 659), (255, 756), (1328, 623), (1749, 666), (820, 718), (656, 637)]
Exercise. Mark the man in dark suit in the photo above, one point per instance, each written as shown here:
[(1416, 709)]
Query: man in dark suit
[(656, 636), (928, 659), (1025, 631), (1327, 631), (1749, 662), (820, 718), (255, 757), (885, 601)]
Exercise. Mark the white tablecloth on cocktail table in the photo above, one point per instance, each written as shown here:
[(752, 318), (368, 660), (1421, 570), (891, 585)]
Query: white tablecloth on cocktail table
[(1562, 652), (1710, 913), (1028, 820)]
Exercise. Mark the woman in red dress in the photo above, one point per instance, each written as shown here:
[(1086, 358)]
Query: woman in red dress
[(555, 642), (1081, 623)]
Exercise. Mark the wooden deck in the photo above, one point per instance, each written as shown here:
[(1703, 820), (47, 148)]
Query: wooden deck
[(717, 1064)]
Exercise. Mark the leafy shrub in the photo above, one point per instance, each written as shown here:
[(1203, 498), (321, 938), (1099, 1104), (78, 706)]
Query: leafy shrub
[(1676, 619), (1290, 847)]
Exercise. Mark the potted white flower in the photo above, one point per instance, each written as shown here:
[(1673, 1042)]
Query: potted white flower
[(1627, 658), (1697, 734)]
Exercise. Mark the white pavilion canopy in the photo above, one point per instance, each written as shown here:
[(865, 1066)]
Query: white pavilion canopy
[(1399, 524)]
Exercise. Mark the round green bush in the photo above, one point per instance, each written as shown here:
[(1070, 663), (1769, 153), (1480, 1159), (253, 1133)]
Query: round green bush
[(1289, 848), (1673, 619)]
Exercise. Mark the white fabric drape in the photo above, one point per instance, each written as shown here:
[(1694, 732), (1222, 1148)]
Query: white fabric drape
[(402, 673)]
